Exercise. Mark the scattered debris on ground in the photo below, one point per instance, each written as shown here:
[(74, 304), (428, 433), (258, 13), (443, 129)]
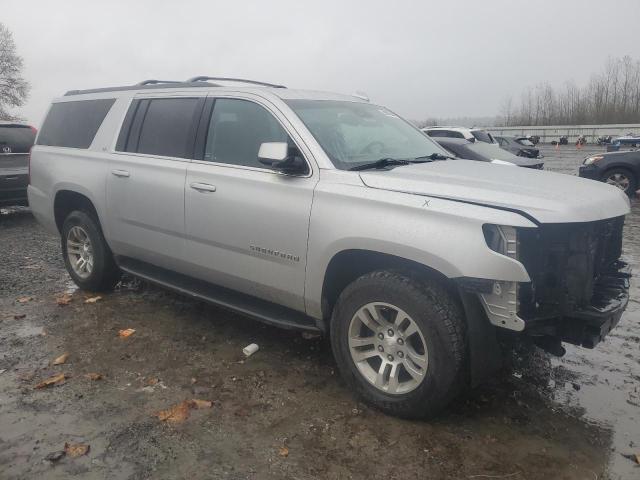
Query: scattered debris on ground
[(61, 359), (53, 380), (250, 349), (126, 332)]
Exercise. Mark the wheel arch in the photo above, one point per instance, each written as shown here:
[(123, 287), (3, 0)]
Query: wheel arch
[(68, 199), (347, 265), (483, 351)]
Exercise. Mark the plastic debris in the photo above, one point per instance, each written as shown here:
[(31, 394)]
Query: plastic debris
[(250, 349)]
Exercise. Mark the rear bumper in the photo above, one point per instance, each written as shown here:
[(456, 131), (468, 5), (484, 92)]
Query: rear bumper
[(13, 188)]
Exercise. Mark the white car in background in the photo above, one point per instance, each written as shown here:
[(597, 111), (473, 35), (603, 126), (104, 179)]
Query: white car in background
[(471, 134)]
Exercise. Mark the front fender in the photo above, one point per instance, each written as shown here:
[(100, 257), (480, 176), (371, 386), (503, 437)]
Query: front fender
[(443, 235)]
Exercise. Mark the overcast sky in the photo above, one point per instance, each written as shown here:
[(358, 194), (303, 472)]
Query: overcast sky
[(422, 59)]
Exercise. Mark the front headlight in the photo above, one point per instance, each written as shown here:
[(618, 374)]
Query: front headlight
[(501, 239), (592, 159)]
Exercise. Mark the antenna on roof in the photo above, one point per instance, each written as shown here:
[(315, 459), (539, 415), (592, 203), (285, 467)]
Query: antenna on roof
[(361, 96), (241, 80)]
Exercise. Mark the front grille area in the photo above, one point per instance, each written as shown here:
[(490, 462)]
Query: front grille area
[(573, 268)]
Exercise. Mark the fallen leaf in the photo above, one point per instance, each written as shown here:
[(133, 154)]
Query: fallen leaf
[(76, 449), (24, 299), (59, 378), (93, 299), (54, 457), (19, 316), (175, 414), (198, 404), (152, 381), (61, 359), (64, 299), (126, 333), (283, 452), (93, 376), (193, 380), (634, 457)]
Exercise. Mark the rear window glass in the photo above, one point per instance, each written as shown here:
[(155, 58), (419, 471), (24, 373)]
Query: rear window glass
[(74, 124), (16, 138), (167, 127), (445, 133), (482, 136)]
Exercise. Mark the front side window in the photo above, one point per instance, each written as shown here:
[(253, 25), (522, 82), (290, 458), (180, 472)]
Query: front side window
[(167, 127), (236, 131), (353, 133)]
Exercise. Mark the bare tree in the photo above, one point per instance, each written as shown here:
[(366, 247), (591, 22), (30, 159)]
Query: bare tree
[(612, 96), (14, 89)]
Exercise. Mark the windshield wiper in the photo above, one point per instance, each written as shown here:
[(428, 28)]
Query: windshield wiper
[(382, 163), (432, 157)]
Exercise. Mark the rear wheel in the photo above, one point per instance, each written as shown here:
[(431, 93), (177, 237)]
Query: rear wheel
[(86, 254), (621, 178), (399, 342)]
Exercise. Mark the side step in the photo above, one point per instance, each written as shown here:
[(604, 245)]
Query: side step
[(262, 310)]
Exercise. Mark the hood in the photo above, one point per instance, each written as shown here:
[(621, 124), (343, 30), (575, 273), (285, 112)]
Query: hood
[(546, 196)]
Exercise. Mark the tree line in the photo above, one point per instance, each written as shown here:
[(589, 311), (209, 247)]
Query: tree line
[(610, 96), (14, 89)]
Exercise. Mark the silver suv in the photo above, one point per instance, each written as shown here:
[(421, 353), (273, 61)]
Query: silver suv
[(326, 213)]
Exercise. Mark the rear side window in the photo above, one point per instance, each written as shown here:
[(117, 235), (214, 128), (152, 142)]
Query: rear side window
[(163, 126), (74, 124), (16, 138)]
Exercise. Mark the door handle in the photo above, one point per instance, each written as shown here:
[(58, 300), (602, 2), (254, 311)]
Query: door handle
[(203, 187), (120, 173)]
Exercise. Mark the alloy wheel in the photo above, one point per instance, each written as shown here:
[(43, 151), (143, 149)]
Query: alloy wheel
[(388, 348), (80, 252), (619, 180)]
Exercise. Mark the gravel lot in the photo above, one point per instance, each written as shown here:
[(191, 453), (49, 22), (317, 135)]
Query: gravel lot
[(282, 413)]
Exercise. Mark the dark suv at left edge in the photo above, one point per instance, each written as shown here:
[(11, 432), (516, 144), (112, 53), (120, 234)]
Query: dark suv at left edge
[(16, 141)]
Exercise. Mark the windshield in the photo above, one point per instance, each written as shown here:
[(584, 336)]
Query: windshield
[(526, 142), (353, 133), (490, 152)]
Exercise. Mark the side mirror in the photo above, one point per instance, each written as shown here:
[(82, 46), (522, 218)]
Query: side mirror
[(271, 153), (278, 155)]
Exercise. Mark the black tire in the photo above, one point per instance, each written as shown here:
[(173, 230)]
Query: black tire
[(441, 321), (633, 181), (105, 273)]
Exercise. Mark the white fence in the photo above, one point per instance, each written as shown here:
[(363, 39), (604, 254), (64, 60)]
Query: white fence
[(554, 132)]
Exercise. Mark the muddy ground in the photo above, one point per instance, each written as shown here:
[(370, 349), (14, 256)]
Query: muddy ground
[(284, 412)]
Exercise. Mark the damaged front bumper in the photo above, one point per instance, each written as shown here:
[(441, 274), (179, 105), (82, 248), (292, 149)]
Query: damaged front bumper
[(578, 288), (590, 325)]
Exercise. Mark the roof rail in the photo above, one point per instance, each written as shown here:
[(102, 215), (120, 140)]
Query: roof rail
[(242, 80), (155, 82)]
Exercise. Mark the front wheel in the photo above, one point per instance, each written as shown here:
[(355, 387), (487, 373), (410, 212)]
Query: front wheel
[(399, 343), (621, 178), (86, 254)]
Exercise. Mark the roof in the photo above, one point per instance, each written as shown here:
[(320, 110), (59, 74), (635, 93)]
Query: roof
[(238, 84)]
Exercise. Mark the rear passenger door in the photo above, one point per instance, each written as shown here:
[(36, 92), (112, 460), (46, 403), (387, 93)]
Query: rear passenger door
[(246, 224), (145, 186)]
